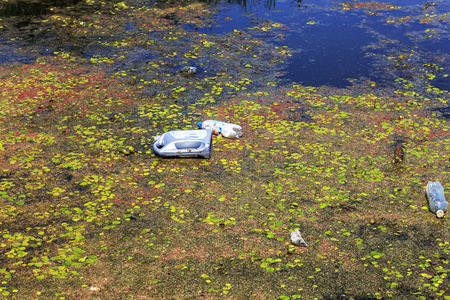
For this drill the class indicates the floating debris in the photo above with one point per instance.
(189, 70)
(436, 198)
(227, 130)
(184, 143)
(296, 239)
(399, 154)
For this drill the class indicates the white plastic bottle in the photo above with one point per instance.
(227, 130)
(436, 198)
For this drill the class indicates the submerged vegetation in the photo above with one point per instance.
(89, 212)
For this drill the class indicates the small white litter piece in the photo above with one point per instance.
(189, 70)
(296, 239)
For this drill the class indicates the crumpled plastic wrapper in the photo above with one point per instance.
(296, 239)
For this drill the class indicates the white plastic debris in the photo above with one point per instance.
(189, 70)
(184, 143)
(296, 239)
(228, 130)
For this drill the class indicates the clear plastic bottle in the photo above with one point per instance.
(436, 198)
(227, 130)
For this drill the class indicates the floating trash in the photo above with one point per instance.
(184, 143)
(399, 154)
(189, 70)
(436, 198)
(227, 130)
(296, 239)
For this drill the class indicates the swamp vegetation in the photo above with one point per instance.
(89, 212)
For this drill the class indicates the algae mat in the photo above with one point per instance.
(89, 212)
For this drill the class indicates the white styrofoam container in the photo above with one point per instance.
(184, 143)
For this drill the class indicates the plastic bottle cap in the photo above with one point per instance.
(200, 124)
(440, 213)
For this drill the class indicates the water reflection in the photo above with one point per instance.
(22, 8)
(31, 8)
(336, 41)
(269, 4)
(250, 5)
(330, 41)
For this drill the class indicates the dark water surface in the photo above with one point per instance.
(333, 42)
(330, 42)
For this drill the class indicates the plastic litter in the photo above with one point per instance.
(436, 198)
(296, 239)
(189, 70)
(184, 143)
(227, 130)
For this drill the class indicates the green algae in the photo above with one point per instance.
(88, 211)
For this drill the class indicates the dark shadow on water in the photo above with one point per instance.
(23, 8)
(28, 8)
